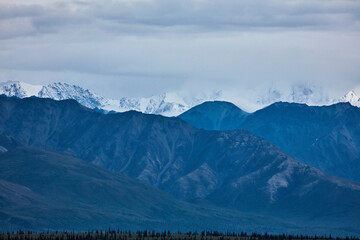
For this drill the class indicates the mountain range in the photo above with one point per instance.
(167, 104)
(171, 103)
(44, 190)
(327, 137)
(233, 170)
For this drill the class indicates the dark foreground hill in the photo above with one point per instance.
(229, 169)
(326, 137)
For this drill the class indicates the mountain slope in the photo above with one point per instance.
(233, 169)
(326, 137)
(44, 190)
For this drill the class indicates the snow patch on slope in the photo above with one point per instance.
(283, 178)
(3, 150)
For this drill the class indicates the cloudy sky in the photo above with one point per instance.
(145, 47)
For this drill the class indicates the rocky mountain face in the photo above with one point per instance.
(326, 137)
(231, 169)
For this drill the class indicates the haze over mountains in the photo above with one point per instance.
(172, 103)
(307, 94)
(227, 169)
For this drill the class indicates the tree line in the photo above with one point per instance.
(152, 235)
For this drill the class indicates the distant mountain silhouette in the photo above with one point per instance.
(216, 115)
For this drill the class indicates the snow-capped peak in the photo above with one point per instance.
(56, 91)
(62, 91)
(352, 98)
(19, 89)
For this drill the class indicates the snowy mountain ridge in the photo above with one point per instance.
(166, 104)
(56, 91)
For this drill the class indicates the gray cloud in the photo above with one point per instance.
(146, 47)
(194, 15)
(11, 10)
(227, 15)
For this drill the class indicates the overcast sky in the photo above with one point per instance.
(146, 47)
